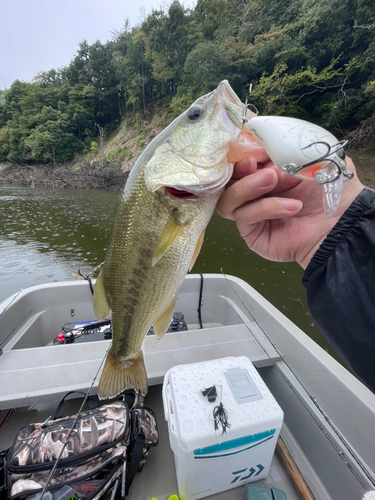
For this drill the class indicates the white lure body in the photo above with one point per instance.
(306, 151)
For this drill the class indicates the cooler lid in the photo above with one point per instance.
(249, 405)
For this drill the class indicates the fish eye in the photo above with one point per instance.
(341, 154)
(195, 113)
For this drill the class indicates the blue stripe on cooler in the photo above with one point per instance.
(234, 446)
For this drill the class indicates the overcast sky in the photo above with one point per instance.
(39, 35)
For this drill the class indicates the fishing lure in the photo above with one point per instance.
(306, 151)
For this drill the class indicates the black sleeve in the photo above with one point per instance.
(340, 283)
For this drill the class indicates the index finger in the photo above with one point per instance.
(244, 190)
(245, 167)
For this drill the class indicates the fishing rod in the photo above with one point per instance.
(338, 433)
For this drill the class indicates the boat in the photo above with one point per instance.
(329, 415)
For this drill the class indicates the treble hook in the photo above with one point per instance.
(293, 169)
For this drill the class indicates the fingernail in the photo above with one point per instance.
(291, 205)
(264, 178)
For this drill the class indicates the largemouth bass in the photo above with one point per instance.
(158, 230)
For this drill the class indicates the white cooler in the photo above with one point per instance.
(208, 461)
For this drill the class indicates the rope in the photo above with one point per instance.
(80, 275)
(199, 310)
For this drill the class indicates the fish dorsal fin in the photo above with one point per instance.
(161, 325)
(196, 251)
(100, 302)
(168, 236)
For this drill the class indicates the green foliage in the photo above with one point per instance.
(284, 93)
(304, 58)
(206, 65)
(180, 102)
(119, 153)
(370, 89)
(2, 98)
(117, 156)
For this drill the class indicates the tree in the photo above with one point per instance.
(206, 65)
(306, 58)
(52, 140)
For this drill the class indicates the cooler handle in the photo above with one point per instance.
(168, 405)
(164, 394)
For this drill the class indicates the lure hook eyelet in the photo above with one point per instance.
(291, 168)
(247, 105)
(252, 108)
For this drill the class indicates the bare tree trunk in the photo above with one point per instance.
(101, 144)
(143, 88)
(119, 103)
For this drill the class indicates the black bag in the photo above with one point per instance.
(96, 460)
(143, 435)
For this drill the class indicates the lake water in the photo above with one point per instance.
(48, 234)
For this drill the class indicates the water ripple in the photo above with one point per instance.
(48, 234)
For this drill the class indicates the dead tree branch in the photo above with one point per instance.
(369, 27)
(364, 134)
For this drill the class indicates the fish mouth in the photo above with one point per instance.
(179, 193)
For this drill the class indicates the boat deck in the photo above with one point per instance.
(158, 477)
(70, 367)
(328, 414)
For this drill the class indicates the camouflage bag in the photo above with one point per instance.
(94, 461)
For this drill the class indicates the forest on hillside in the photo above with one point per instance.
(312, 59)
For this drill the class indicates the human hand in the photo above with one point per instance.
(279, 216)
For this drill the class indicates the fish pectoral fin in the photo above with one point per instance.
(161, 325)
(100, 302)
(196, 251)
(168, 236)
(118, 374)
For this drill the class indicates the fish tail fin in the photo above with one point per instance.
(116, 376)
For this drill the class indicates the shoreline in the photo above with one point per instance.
(88, 176)
(96, 174)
